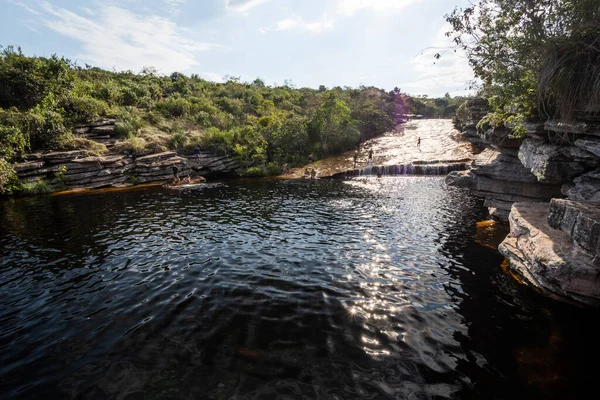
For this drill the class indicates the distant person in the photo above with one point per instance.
(132, 155)
(370, 156)
(306, 173)
(187, 180)
(355, 158)
(313, 174)
(284, 168)
(197, 155)
(380, 172)
(419, 142)
(175, 176)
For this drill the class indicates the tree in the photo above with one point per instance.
(336, 129)
(510, 43)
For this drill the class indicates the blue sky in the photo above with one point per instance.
(384, 43)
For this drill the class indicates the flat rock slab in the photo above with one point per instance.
(547, 259)
(28, 166)
(152, 158)
(580, 221)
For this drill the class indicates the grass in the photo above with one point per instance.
(38, 187)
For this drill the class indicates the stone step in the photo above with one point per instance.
(580, 221)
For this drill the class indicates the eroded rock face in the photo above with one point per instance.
(590, 144)
(502, 180)
(554, 164)
(76, 169)
(584, 188)
(580, 221)
(547, 259)
(496, 165)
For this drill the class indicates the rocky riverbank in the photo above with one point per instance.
(67, 170)
(554, 242)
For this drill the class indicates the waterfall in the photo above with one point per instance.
(414, 168)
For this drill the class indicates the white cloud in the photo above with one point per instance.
(212, 76)
(242, 5)
(173, 5)
(349, 7)
(124, 40)
(451, 73)
(298, 23)
(25, 6)
(88, 11)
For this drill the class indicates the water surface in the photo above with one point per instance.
(369, 289)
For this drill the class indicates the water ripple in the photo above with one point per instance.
(370, 289)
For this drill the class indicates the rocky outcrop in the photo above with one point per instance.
(75, 169)
(584, 188)
(580, 221)
(502, 180)
(548, 258)
(101, 131)
(555, 164)
(552, 154)
(554, 243)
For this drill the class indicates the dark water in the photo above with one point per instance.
(291, 290)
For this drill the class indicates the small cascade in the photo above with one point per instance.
(411, 169)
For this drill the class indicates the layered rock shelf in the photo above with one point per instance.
(551, 260)
(75, 169)
(502, 180)
(101, 131)
(554, 243)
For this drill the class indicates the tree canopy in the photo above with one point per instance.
(535, 58)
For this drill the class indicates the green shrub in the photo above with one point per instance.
(178, 140)
(38, 187)
(174, 107)
(255, 172)
(12, 141)
(8, 178)
(128, 124)
(137, 144)
(82, 109)
(47, 129)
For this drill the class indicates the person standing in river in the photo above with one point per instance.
(370, 162)
(355, 158)
(419, 142)
(197, 155)
(175, 176)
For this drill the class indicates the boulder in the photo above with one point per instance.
(590, 144)
(547, 259)
(550, 163)
(580, 221)
(584, 188)
(497, 165)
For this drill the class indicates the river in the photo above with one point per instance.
(371, 288)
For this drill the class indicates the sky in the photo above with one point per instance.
(308, 43)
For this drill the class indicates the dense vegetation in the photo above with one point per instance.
(41, 99)
(537, 59)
